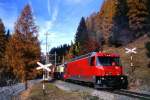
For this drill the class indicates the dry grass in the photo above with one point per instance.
(54, 93)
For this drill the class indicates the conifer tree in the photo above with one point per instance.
(148, 24)
(23, 50)
(2, 39)
(105, 16)
(82, 37)
(71, 53)
(94, 31)
(138, 16)
(120, 32)
(2, 53)
(8, 35)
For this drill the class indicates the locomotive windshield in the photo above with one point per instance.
(108, 61)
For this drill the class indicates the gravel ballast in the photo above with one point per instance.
(104, 95)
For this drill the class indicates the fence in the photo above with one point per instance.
(12, 92)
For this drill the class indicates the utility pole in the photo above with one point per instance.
(63, 60)
(55, 58)
(47, 60)
(54, 61)
(46, 49)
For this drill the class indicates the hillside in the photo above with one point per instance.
(117, 25)
(139, 79)
(124, 24)
(102, 21)
(120, 21)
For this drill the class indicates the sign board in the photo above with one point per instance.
(41, 66)
(130, 50)
(45, 68)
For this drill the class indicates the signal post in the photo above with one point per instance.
(131, 52)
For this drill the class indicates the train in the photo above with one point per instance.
(103, 70)
(59, 72)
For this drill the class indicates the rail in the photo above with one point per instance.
(142, 96)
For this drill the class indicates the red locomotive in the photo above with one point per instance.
(102, 69)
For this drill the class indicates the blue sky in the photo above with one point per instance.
(59, 18)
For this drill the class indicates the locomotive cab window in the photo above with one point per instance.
(92, 61)
(108, 61)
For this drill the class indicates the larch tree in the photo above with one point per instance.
(138, 16)
(2, 40)
(23, 50)
(94, 31)
(2, 52)
(93, 45)
(105, 17)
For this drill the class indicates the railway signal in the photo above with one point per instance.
(131, 52)
(41, 66)
(45, 68)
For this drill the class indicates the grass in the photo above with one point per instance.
(54, 93)
(86, 96)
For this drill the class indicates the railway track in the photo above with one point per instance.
(133, 94)
(141, 96)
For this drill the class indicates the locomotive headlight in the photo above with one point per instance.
(118, 74)
(103, 78)
(116, 67)
(101, 68)
(121, 78)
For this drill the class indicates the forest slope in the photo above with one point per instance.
(139, 78)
